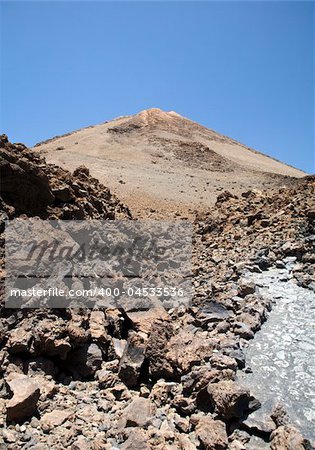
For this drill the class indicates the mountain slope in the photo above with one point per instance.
(161, 160)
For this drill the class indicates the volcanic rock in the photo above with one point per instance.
(183, 361)
(54, 419)
(260, 421)
(29, 185)
(159, 366)
(212, 433)
(81, 444)
(286, 437)
(137, 440)
(211, 312)
(85, 361)
(230, 400)
(98, 325)
(138, 413)
(26, 393)
(187, 348)
(132, 360)
(107, 379)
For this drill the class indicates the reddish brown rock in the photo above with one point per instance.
(159, 366)
(187, 348)
(229, 400)
(137, 439)
(212, 434)
(31, 186)
(142, 320)
(138, 413)
(26, 393)
(54, 419)
(286, 437)
(20, 339)
(98, 325)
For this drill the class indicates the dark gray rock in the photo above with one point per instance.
(132, 360)
(212, 312)
(85, 361)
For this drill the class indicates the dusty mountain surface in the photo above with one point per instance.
(161, 161)
(119, 379)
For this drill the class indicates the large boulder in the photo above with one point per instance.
(159, 366)
(132, 360)
(138, 413)
(26, 393)
(142, 313)
(20, 338)
(23, 184)
(188, 347)
(212, 434)
(230, 400)
(50, 339)
(261, 420)
(212, 312)
(55, 418)
(98, 326)
(286, 437)
(137, 439)
(199, 378)
(31, 186)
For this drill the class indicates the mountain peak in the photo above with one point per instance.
(158, 112)
(151, 118)
(163, 160)
(153, 111)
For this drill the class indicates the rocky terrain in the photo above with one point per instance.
(167, 380)
(30, 186)
(162, 164)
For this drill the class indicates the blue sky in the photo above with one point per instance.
(245, 69)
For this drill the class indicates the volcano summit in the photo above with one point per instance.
(158, 160)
